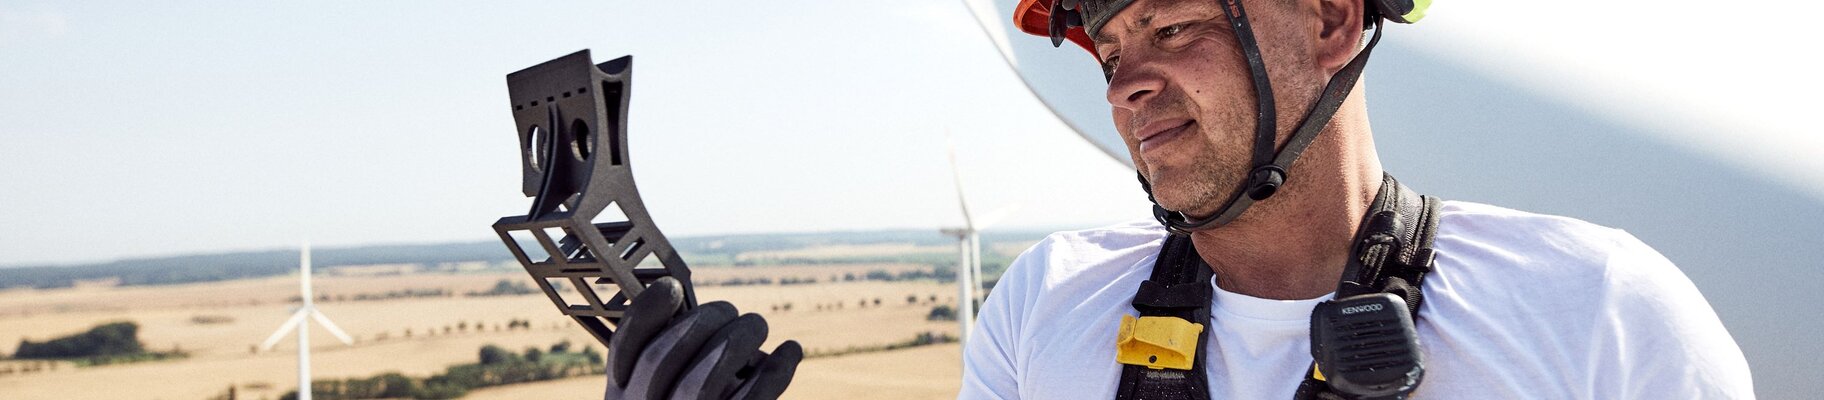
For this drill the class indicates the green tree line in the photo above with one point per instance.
(494, 366)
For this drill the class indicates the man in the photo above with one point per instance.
(1480, 301)
(1250, 131)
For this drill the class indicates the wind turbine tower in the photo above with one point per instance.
(969, 249)
(297, 321)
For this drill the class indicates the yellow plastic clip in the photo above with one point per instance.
(1157, 342)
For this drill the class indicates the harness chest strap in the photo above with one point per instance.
(1392, 255)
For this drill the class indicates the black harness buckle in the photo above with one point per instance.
(1366, 346)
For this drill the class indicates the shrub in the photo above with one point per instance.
(593, 357)
(505, 287)
(941, 313)
(499, 367)
(113, 339)
(491, 354)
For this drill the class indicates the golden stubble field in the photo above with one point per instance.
(220, 324)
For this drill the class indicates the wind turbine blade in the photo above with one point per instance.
(989, 19)
(993, 19)
(995, 217)
(331, 327)
(957, 175)
(290, 323)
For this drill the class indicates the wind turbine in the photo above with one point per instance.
(969, 249)
(309, 309)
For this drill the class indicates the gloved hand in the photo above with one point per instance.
(704, 353)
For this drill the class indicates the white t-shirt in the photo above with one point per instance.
(1520, 306)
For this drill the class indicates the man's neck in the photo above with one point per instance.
(1294, 245)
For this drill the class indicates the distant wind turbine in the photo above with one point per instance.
(969, 249)
(309, 309)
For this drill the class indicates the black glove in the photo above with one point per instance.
(704, 353)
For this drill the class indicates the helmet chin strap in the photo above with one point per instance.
(1269, 172)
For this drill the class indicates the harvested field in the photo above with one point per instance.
(220, 323)
(929, 372)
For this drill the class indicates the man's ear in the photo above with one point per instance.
(1339, 35)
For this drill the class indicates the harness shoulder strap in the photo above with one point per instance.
(1394, 244)
(1179, 287)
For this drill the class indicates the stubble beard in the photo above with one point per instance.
(1199, 188)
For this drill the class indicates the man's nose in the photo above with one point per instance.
(1132, 86)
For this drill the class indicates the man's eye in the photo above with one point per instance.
(1108, 66)
(1169, 31)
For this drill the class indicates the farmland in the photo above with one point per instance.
(417, 323)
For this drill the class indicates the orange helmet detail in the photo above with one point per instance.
(1034, 17)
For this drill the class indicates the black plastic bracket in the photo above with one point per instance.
(571, 116)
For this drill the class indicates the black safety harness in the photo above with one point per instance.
(1363, 342)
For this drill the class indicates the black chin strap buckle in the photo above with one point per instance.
(1174, 221)
(1264, 181)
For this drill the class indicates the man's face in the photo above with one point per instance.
(1182, 96)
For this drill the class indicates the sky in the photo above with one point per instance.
(132, 129)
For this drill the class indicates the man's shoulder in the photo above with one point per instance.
(1103, 254)
(1463, 216)
(1503, 236)
(1122, 243)
(1118, 238)
(1557, 266)
(1570, 292)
